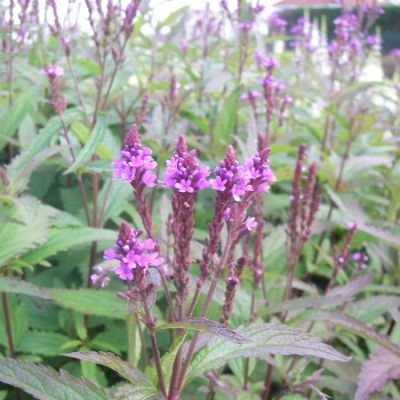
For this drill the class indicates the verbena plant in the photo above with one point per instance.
(249, 229)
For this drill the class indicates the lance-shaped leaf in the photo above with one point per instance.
(226, 121)
(61, 239)
(94, 141)
(91, 302)
(382, 368)
(334, 298)
(41, 142)
(112, 361)
(43, 343)
(266, 339)
(11, 285)
(11, 120)
(45, 383)
(129, 392)
(205, 325)
(357, 327)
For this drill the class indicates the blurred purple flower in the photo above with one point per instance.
(250, 223)
(373, 40)
(395, 53)
(276, 21)
(52, 71)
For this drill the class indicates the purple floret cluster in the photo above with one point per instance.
(136, 164)
(184, 173)
(134, 255)
(238, 179)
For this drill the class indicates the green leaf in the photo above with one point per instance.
(369, 309)
(94, 141)
(168, 359)
(45, 383)
(82, 133)
(226, 122)
(205, 325)
(335, 297)
(91, 302)
(112, 361)
(20, 176)
(129, 392)
(60, 239)
(266, 339)
(11, 285)
(134, 343)
(357, 327)
(41, 142)
(43, 343)
(173, 16)
(11, 120)
(18, 319)
(15, 239)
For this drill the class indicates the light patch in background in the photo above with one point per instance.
(160, 9)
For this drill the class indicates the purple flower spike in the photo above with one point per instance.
(134, 256)
(136, 163)
(184, 174)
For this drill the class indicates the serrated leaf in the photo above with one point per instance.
(382, 368)
(43, 343)
(335, 297)
(60, 239)
(11, 285)
(13, 118)
(15, 239)
(266, 339)
(129, 392)
(103, 303)
(94, 141)
(45, 383)
(205, 325)
(112, 361)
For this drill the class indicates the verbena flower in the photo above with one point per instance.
(250, 223)
(253, 176)
(134, 255)
(361, 258)
(184, 173)
(52, 71)
(276, 21)
(238, 179)
(373, 40)
(136, 163)
(395, 53)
